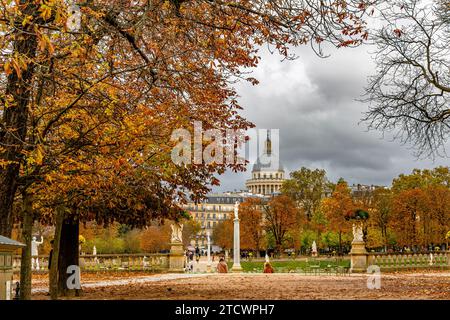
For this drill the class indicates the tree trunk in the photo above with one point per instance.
(278, 246)
(14, 130)
(340, 243)
(68, 254)
(25, 265)
(8, 187)
(53, 276)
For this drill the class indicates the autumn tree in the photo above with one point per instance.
(280, 216)
(223, 234)
(156, 238)
(132, 72)
(436, 220)
(190, 229)
(380, 212)
(335, 209)
(252, 224)
(163, 54)
(407, 210)
(420, 206)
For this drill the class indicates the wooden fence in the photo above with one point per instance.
(110, 262)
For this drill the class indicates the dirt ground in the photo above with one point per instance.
(259, 286)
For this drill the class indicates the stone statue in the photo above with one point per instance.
(236, 210)
(145, 262)
(314, 249)
(177, 232)
(357, 233)
(94, 253)
(35, 252)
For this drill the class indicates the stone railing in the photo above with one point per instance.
(110, 262)
(409, 261)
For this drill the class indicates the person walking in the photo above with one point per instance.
(191, 261)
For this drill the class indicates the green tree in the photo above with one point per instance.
(422, 178)
(307, 188)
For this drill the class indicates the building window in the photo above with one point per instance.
(214, 216)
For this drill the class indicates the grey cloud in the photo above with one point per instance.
(313, 103)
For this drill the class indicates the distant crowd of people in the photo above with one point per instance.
(222, 266)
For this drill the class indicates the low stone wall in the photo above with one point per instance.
(111, 262)
(409, 261)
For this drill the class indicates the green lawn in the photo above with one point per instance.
(289, 266)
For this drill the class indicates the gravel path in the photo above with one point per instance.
(263, 286)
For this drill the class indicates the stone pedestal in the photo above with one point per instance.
(358, 256)
(237, 248)
(176, 258)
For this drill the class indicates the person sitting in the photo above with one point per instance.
(222, 266)
(268, 268)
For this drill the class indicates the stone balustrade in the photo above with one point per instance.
(110, 262)
(410, 261)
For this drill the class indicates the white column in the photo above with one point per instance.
(237, 246)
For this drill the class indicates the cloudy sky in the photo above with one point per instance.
(313, 102)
